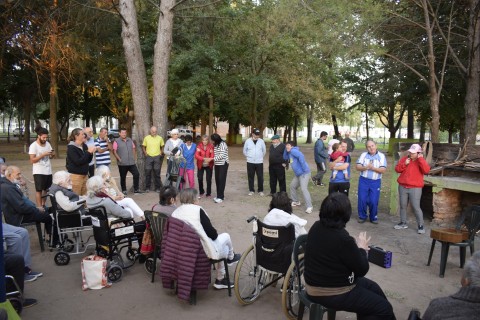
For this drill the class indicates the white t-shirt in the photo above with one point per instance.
(43, 166)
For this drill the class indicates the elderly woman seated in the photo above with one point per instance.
(65, 198)
(110, 189)
(168, 197)
(280, 214)
(216, 246)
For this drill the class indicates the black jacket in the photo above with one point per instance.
(13, 205)
(332, 258)
(78, 159)
(275, 155)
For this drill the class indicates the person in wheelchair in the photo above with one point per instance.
(336, 265)
(97, 198)
(168, 198)
(65, 198)
(281, 214)
(216, 246)
(110, 188)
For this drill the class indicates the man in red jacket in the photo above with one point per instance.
(412, 168)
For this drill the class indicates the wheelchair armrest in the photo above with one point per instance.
(81, 201)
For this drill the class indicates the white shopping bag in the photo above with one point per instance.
(94, 273)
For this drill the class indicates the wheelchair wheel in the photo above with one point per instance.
(16, 304)
(114, 273)
(247, 276)
(290, 299)
(62, 259)
(68, 245)
(149, 265)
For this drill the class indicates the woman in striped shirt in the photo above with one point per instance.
(221, 165)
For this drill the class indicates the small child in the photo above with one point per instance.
(337, 154)
(188, 150)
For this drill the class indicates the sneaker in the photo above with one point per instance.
(147, 190)
(29, 302)
(251, 193)
(296, 203)
(29, 278)
(401, 225)
(35, 274)
(321, 184)
(222, 284)
(314, 181)
(124, 193)
(234, 260)
(261, 194)
(137, 192)
(374, 221)
(309, 210)
(421, 230)
(359, 220)
(218, 200)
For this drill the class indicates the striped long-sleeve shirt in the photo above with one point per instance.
(221, 154)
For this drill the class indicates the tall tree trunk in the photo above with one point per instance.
(473, 74)
(309, 123)
(434, 93)
(137, 77)
(410, 122)
(53, 112)
(161, 61)
(210, 115)
(295, 125)
(335, 125)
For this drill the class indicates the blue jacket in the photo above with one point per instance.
(297, 161)
(340, 177)
(320, 152)
(189, 155)
(254, 152)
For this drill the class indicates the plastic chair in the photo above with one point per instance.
(157, 222)
(456, 237)
(316, 310)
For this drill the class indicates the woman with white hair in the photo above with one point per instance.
(216, 246)
(110, 189)
(61, 189)
(96, 198)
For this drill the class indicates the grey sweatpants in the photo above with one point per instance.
(302, 182)
(413, 195)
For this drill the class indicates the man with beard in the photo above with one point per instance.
(41, 152)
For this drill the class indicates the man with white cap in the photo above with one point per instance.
(254, 150)
(412, 168)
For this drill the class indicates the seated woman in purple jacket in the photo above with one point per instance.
(216, 246)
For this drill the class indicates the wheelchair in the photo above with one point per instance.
(112, 237)
(76, 223)
(265, 262)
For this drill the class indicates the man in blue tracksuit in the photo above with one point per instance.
(254, 150)
(302, 175)
(371, 164)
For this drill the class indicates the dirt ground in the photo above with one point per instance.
(409, 283)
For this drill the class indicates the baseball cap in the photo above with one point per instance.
(275, 137)
(415, 148)
(256, 131)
